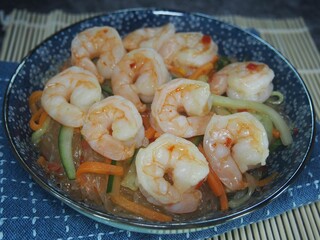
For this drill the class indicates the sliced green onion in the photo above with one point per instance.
(222, 62)
(111, 179)
(107, 89)
(275, 117)
(196, 140)
(276, 98)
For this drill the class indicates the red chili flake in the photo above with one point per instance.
(252, 66)
(242, 110)
(54, 167)
(295, 131)
(206, 39)
(132, 65)
(228, 142)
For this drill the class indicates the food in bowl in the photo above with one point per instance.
(157, 125)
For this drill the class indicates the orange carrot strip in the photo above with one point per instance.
(267, 180)
(177, 71)
(157, 134)
(139, 209)
(215, 183)
(37, 119)
(149, 133)
(224, 204)
(146, 119)
(33, 99)
(275, 133)
(42, 161)
(99, 168)
(202, 70)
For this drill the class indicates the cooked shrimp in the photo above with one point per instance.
(244, 80)
(181, 107)
(102, 45)
(168, 172)
(188, 51)
(234, 144)
(113, 127)
(68, 95)
(148, 37)
(137, 76)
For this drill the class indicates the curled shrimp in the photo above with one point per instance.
(234, 144)
(168, 171)
(188, 51)
(137, 76)
(244, 80)
(148, 37)
(181, 107)
(68, 95)
(102, 45)
(113, 127)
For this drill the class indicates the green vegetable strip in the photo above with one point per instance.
(107, 89)
(65, 150)
(111, 179)
(36, 136)
(275, 117)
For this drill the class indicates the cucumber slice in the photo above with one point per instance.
(65, 150)
(111, 179)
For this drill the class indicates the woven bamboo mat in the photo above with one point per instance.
(24, 30)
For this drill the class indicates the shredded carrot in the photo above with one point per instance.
(146, 119)
(267, 180)
(275, 133)
(218, 189)
(42, 161)
(149, 133)
(157, 134)
(202, 70)
(99, 168)
(33, 99)
(200, 147)
(37, 119)
(224, 204)
(177, 71)
(139, 209)
(216, 185)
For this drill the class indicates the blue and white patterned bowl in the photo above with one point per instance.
(44, 61)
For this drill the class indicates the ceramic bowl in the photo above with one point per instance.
(44, 61)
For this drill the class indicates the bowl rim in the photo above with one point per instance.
(149, 226)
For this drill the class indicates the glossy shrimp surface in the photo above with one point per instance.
(181, 107)
(97, 49)
(113, 127)
(137, 76)
(188, 51)
(234, 144)
(244, 80)
(68, 95)
(152, 37)
(168, 172)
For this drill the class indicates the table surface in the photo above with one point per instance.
(277, 10)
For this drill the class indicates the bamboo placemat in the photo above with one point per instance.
(24, 30)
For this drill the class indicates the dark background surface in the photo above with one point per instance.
(308, 9)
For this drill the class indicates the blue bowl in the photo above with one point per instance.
(44, 61)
